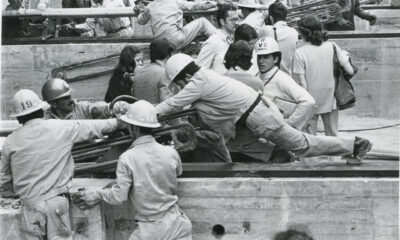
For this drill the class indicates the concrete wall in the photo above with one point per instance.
(249, 208)
(28, 66)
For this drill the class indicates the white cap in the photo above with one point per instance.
(26, 101)
(266, 45)
(175, 64)
(141, 113)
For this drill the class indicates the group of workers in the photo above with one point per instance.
(241, 85)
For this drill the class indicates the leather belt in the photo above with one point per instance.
(245, 115)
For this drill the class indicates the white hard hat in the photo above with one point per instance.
(266, 45)
(25, 101)
(141, 113)
(248, 4)
(175, 64)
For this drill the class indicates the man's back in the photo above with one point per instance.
(151, 83)
(39, 154)
(154, 169)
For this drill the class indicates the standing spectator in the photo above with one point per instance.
(285, 36)
(74, 21)
(296, 103)
(313, 69)
(121, 80)
(349, 8)
(213, 50)
(113, 27)
(249, 34)
(238, 61)
(151, 83)
(166, 19)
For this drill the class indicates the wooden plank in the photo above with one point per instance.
(81, 40)
(369, 168)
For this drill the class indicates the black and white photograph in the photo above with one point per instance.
(200, 119)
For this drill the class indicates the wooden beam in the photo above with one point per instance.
(369, 168)
(85, 12)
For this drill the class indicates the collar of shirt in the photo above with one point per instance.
(143, 140)
(225, 36)
(160, 63)
(280, 24)
(33, 121)
(269, 74)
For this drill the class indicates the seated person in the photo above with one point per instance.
(166, 19)
(121, 81)
(113, 27)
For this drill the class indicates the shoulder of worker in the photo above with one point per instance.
(89, 104)
(150, 69)
(135, 150)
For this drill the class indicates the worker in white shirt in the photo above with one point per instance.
(166, 19)
(252, 13)
(279, 30)
(147, 176)
(57, 93)
(222, 103)
(213, 50)
(295, 102)
(36, 164)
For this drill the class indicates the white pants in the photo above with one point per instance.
(191, 30)
(330, 120)
(175, 225)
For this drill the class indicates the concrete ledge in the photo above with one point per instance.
(255, 208)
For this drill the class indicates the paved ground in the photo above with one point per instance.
(385, 139)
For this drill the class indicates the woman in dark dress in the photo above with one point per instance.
(121, 81)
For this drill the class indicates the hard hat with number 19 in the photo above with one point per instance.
(54, 89)
(141, 113)
(25, 101)
(266, 45)
(175, 64)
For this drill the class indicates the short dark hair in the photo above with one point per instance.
(245, 32)
(277, 11)
(36, 114)
(223, 10)
(292, 234)
(160, 49)
(145, 130)
(190, 69)
(239, 54)
(312, 30)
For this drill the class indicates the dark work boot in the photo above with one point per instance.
(361, 147)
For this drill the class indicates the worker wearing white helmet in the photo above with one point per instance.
(36, 164)
(295, 102)
(147, 176)
(223, 102)
(57, 93)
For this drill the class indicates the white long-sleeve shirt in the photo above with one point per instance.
(283, 86)
(213, 51)
(147, 175)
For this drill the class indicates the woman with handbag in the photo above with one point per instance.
(313, 69)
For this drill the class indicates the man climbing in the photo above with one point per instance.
(223, 103)
(166, 19)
